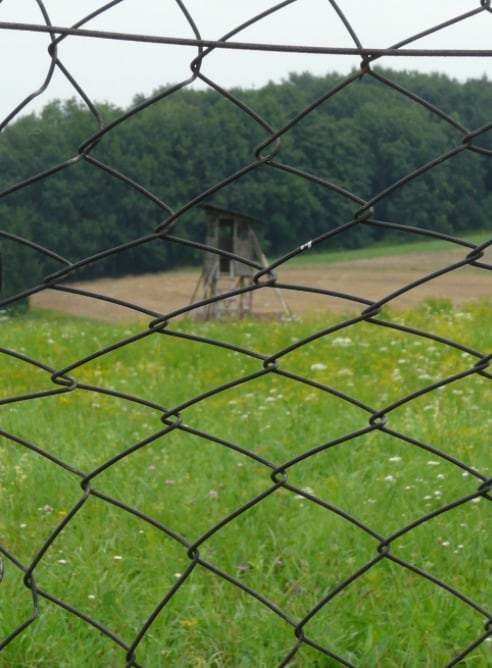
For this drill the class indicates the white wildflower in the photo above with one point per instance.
(342, 341)
(318, 366)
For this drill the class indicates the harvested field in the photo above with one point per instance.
(369, 279)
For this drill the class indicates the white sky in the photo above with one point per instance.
(116, 71)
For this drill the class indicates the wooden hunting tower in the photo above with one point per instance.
(231, 232)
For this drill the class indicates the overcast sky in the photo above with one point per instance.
(115, 71)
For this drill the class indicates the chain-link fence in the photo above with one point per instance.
(308, 492)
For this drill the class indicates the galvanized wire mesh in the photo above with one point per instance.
(193, 554)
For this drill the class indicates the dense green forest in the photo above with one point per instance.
(362, 139)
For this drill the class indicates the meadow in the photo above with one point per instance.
(244, 491)
(385, 250)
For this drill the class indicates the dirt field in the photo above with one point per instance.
(371, 279)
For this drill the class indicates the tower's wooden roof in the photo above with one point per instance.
(229, 212)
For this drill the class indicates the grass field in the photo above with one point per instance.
(189, 477)
(385, 250)
(369, 273)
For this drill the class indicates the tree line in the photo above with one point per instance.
(361, 140)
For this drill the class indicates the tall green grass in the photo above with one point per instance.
(116, 568)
